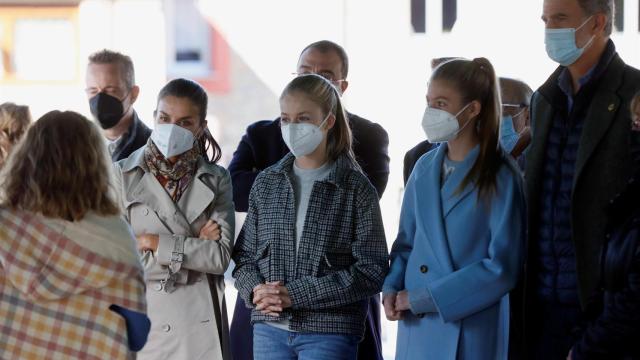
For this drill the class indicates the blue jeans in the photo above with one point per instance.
(270, 343)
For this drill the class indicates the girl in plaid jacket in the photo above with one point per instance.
(312, 249)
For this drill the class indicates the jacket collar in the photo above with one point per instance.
(343, 165)
(130, 136)
(197, 197)
(449, 190)
(603, 107)
(551, 88)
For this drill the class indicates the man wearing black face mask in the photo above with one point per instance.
(111, 91)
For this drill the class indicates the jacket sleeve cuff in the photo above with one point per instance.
(421, 302)
(388, 289)
(299, 294)
(166, 245)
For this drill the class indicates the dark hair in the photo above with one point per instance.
(60, 169)
(326, 46)
(437, 61)
(113, 57)
(592, 7)
(521, 91)
(322, 93)
(475, 80)
(189, 89)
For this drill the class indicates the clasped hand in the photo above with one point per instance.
(394, 304)
(271, 298)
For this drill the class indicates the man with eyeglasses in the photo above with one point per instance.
(262, 146)
(515, 130)
(112, 91)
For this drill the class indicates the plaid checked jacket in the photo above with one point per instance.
(342, 257)
(55, 295)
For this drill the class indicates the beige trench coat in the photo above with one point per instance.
(188, 318)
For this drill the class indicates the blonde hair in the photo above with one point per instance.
(59, 169)
(14, 121)
(322, 93)
(476, 80)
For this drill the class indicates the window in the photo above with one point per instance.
(449, 14)
(194, 48)
(418, 16)
(618, 18)
(38, 44)
(190, 40)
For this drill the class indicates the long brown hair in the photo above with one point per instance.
(475, 80)
(60, 169)
(14, 121)
(189, 89)
(322, 93)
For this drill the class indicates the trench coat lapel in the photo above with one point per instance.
(197, 197)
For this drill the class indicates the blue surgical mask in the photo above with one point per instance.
(561, 44)
(508, 135)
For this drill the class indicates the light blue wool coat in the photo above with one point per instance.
(461, 254)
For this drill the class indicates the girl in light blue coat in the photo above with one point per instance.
(459, 249)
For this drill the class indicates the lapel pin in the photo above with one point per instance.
(611, 107)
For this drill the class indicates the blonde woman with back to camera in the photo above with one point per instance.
(70, 279)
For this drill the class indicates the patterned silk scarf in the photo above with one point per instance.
(175, 178)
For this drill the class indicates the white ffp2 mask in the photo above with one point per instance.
(440, 125)
(302, 138)
(172, 139)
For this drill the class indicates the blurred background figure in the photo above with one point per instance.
(14, 121)
(614, 310)
(515, 125)
(71, 282)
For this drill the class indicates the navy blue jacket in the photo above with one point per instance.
(412, 156)
(262, 146)
(135, 138)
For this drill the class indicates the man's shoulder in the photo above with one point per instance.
(262, 126)
(419, 150)
(361, 125)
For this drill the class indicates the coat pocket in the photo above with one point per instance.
(336, 259)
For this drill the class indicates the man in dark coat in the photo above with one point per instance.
(578, 160)
(262, 146)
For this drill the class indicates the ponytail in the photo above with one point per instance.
(476, 80)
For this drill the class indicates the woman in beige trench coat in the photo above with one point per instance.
(179, 204)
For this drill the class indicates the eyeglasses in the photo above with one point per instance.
(327, 75)
(513, 110)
